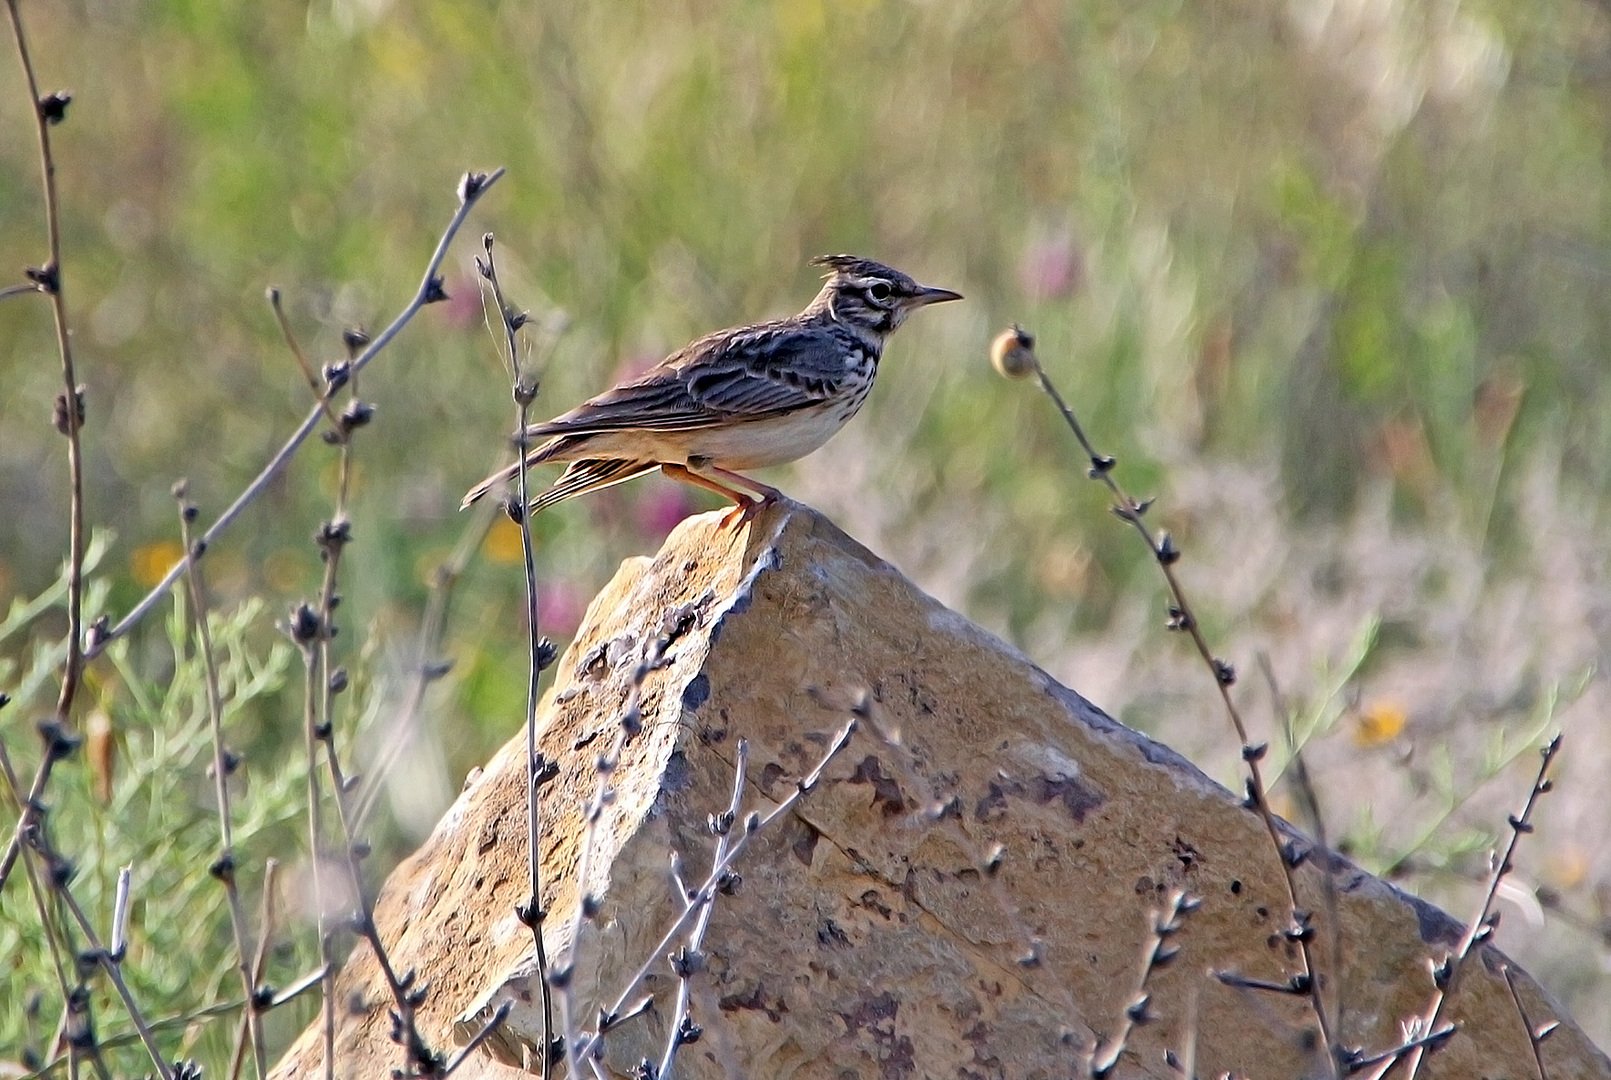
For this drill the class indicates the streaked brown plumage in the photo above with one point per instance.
(737, 399)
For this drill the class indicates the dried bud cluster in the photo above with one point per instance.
(1013, 353)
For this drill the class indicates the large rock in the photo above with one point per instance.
(870, 937)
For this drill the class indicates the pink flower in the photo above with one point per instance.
(462, 309)
(560, 607)
(1052, 268)
(633, 366)
(661, 506)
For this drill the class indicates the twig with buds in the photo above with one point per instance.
(1308, 799)
(1424, 1032)
(540, 651)
(689, 960)
(721, 879)
(58, 876)
(257, 1001)
(314, 629)
(471, 187)
(304, 629)
(184, 1020)
(223, 766)
(1013, 355)
(587, 905)
(56, 880)
(1165, 925)
(49, 110)
(48, 925)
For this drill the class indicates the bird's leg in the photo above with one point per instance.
(741, 513)
(688, 476)
(768, 493)
(699, 474)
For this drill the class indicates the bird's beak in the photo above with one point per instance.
(926, 295)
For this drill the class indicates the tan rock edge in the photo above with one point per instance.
(867, 938)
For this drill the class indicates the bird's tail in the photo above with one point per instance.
(497, 479)
(591, 474)
(535, 456)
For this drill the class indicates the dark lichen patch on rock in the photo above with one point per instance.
(886, 792)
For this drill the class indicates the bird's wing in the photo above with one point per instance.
(747, 374)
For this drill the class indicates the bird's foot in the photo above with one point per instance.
(743, 509)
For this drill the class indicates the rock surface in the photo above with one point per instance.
(967, 893)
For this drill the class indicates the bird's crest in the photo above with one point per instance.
(856, 266)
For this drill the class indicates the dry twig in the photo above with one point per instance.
(49, 110)
(1165, 925)
(471, 187)
(223, 766)
(1014, 356)
(540, 651)
(721, 879)
(689, 960)
(1423, 1033)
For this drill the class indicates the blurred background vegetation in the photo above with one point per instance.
(1327, 277)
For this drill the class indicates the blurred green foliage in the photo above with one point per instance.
(145, 800)
(1367, 242)
(1232, 225)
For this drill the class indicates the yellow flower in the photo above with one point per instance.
(330, 478)
(1380, 723)
(151, 561)
(502, 544)
(1282, 805)
(1567, 867)
(101, 751)
(286, 572)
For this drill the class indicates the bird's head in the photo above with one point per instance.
(870, 295)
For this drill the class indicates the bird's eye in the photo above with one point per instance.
(878, 291)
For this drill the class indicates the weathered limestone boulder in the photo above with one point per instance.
(966, 894)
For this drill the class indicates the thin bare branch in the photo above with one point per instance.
(314, 632)
(266, 922)
(486, 1032)
(178, 1022)
(301, 358)
(718, 879)
(1534, 1042)
(101, 955)
(604, 766)
(224, 764)
(689, 960)
(1446, 974)
(1014, 355)
(540, 653)
(47, 111)
(301, 633)
(1430, 1041)
(37, 891)
(298, 988)
(471, 188)
(1309, 799)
